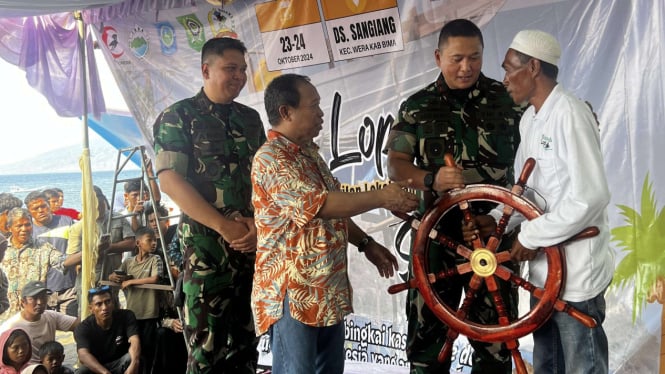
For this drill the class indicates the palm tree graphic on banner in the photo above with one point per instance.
(644, 263)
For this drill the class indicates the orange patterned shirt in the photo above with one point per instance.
(297, 252)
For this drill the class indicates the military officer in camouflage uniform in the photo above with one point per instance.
(471, 117)
(204, 147)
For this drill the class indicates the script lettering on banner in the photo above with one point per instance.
(360, 28)
(292, 34)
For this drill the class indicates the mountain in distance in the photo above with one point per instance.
(103, 157)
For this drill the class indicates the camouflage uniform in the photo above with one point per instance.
(212, 146)
(479, 127)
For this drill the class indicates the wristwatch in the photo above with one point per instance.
(428, 181)
(363, 243)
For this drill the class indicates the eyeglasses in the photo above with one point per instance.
(101, 289)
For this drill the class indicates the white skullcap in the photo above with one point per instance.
(537, 44)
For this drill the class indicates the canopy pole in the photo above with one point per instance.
(84, 79)
(90, 235)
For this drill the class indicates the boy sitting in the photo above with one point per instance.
(51, 355)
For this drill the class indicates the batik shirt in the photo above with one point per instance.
(211, 145)
(480, 131)
(297, 253)
(28, 263)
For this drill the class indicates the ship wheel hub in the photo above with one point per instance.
(483, 262)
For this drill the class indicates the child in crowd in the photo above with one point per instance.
(144, 268)
(51, 355)
(16, 351)
(56, 198)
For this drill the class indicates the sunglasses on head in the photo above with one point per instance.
(96, 290)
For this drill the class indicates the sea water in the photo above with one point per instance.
(70, 184)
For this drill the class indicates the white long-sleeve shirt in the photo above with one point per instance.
(569, 184)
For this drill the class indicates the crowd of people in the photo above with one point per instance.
(40, 285)
(261, 245)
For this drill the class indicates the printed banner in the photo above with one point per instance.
(155, 58)
(362, 28)
(292, 34)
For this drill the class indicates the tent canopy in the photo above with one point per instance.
(21, 8)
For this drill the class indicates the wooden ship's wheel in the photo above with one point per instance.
(485, 267)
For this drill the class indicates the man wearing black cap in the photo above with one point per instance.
(40, 323)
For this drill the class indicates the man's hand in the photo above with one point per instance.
(381, 257)
(138, 208)
(113, 277)
(246, 243)
(102, 247)
(397, 199)
(481, 227)
(125, 284)
(176, 326)
(447, 178)
(521, 253)
(133, 368)
(231, 229)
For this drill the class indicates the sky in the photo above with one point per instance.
(31, 126)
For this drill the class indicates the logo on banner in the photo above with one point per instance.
(166, 34)
(110, 39)
(138, 42)
(222, 23)
(194, 30)
(356, 6)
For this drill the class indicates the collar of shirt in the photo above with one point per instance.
(274, 135)
(546, 109)
(207, 106)
(445, 91)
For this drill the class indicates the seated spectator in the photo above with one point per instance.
(15, 351)
(34, 319)
(4, 282)
(137, 195)
(108, 340)
(110, 246)
(170, 348)
(144, 268)
(173, 254)
(55, 198)
(53, 229)
(7, 203)
(26, 259)
(51, 355)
